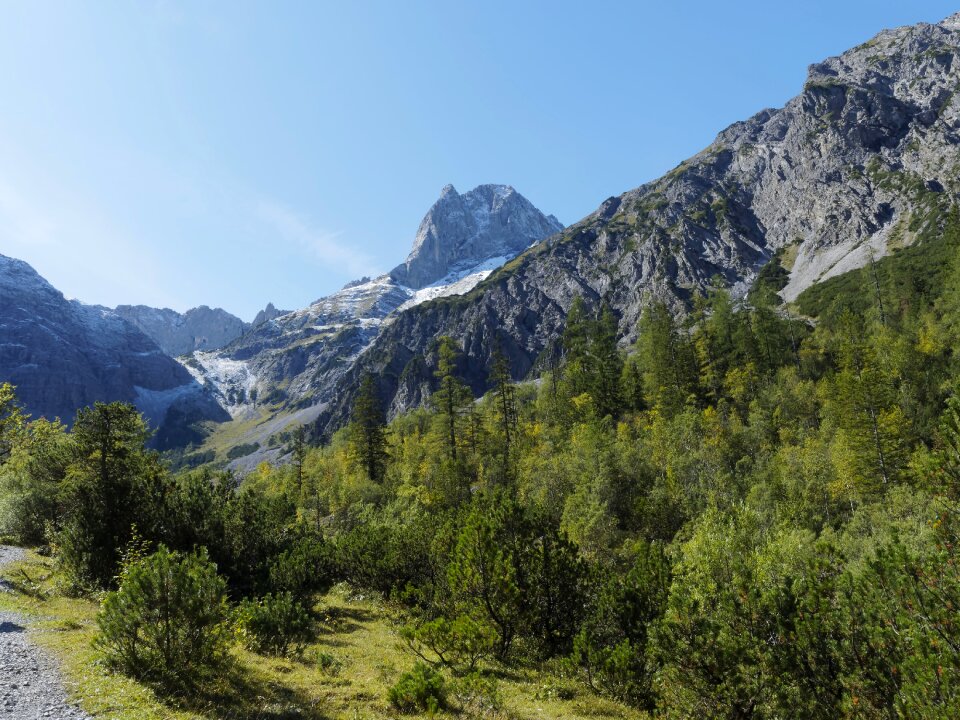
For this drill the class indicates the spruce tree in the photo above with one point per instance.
(113, 486)
(506, 405)
(870, 419)
(606, 365)
(12, 420)
(666, 358)
(576, 348)
(451, 396)
(369, 431)
(299, 454)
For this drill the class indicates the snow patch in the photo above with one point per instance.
(233, 381)
(455, 283)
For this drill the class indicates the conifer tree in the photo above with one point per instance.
(299, 454)
(576, 348)
(12, 420)
(112, 487)
(369, 431)
(506, 404)
(451, 396)
(666, 359)
(865, 404)
(607, 365)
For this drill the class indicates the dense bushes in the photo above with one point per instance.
(274, 624)
(518, 576)
(612, 647)
(166, 623)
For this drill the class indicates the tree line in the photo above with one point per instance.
(746, 514)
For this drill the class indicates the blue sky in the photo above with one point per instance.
(230, 154)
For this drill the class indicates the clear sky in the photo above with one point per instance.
(232, 153)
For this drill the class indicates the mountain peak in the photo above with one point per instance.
(268, 313)
(17, 276)
(459, 231)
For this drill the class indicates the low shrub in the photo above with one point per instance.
(459, 643)
(478, 696)
(274, 624)
(421, 689)
(327, 663)
(166, 623)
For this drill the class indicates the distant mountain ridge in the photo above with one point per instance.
(200, 328)
(63, 355)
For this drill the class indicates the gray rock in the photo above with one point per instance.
(63, 355)
(460, 231)
(294, 361)
(200, 328)
(265, 315)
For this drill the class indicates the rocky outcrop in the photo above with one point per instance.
(265, 315)
(200, 328)
(864, 159)
(461, 231)
(63, 355)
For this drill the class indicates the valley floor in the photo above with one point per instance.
(344, 675)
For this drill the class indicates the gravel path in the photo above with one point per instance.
(30, 687)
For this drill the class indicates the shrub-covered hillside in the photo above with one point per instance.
(749, 515)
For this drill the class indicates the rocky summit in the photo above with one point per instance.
(862, 161)
(462, 231)
(200, 328)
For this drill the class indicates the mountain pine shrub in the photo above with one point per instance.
(166, 623)
(274, 624)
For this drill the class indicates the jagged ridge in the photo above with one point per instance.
(845, 169)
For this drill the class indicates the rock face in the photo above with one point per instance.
(289, 365)
(462, 231)
(268, 313)
(200, 328)
(863, 160)
(63, 355)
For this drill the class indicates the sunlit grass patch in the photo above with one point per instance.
(344, 674)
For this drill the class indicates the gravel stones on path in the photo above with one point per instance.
(30, 684)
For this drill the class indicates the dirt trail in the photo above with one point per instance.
(30, 685)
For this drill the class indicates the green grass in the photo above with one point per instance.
(344, 675)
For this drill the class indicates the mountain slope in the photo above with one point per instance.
(200, 328)
(863, 160)
(288, 368)
(63, 355)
